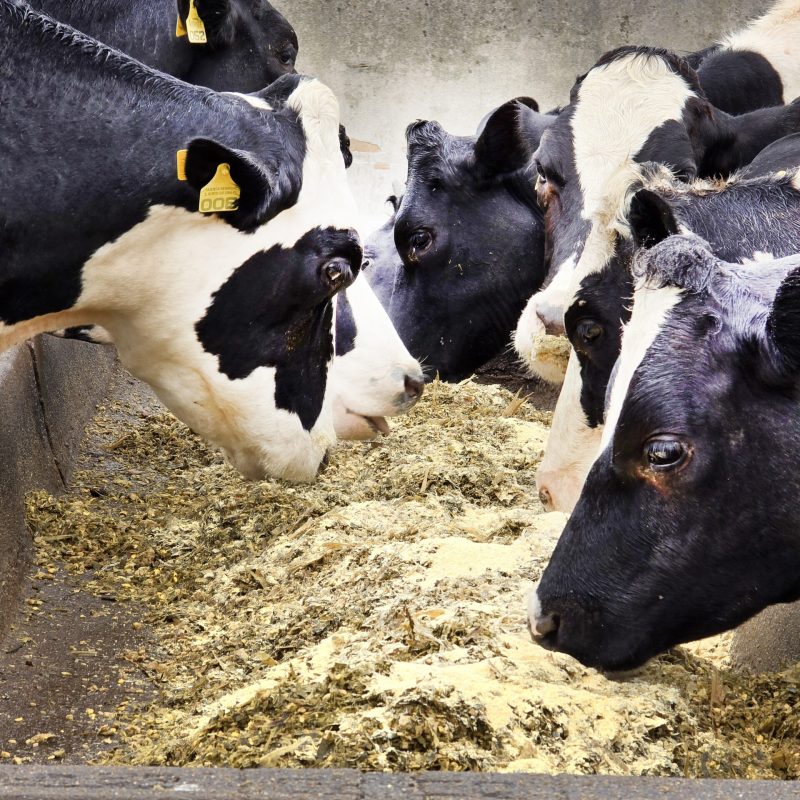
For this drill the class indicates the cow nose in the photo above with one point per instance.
(546, 499)
(414, 388)
(545, 624)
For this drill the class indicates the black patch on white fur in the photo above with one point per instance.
(345, 325)
(276, 311)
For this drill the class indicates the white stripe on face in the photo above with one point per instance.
(619, 106)
(650, 310)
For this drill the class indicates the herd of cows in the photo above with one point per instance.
(192, 207)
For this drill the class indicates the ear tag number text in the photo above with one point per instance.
(221, 193)
(195, 28)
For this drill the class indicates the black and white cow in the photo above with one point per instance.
(756, 67)
(637, 105)
(688, 523)
(641, 104)
(228, 316)
(249, 43)
(464, 249)
(746, 220)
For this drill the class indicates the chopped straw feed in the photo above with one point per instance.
(376, 619)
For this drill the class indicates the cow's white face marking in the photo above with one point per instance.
(796, 180)
(651, 308)
(572, 445)
(776, 36)
(544, 313)
(152, 285)
(619, 105)
(369, 381)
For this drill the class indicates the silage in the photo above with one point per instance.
(376, 618)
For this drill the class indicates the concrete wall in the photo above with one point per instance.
(49, 389)
(449, 60)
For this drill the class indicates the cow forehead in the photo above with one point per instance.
(618, 106)
(651, 310)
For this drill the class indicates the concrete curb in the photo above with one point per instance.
(152, 783)
(49, 388)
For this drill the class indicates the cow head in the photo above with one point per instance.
(687, 524)
(731, 215)
(627, 110)
(467, 241)
(250, 44)
(229, 317)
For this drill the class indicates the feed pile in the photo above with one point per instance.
(375, 619)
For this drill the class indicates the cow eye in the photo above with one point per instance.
(419, 242)
(663, 453)
(286, 57)
(337, 274)
(588, 331)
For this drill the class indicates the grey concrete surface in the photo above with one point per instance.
(119, 783)
(49, 391)
(392, 63)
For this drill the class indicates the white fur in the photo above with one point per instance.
(534, 607)
(150, 286)
(544, 313)
(256, 102)
(369, 381)
(619, 106)
(650, 310)
(572, 445)
(776, 36)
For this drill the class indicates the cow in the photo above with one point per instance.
(756, 67)
(635, 106)
(746, 220)
(216, 289)
(689, 520)
(372, 376)
(248, 43)
(463, 250)
(642, 104)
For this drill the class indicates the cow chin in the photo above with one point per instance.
(296, 467)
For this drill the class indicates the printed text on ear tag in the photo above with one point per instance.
(195, 28)
(180, 28)
(221, 193)
(180, 157)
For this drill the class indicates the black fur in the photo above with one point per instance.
(650, 559)
(738, 81)
(455, 302)
(250, 44)
(275, 311)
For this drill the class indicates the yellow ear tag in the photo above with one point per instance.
(221, 193)
(195, 28)
(180, 157)
(180, 28)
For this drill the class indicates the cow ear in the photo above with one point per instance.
(219, 19)
(651, 219)
(783, 324)
(502, 146)
(263, 191)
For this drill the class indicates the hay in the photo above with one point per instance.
(376, 618)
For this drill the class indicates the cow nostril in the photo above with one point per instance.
(545, 625)
(414, 387)
(546, 499)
